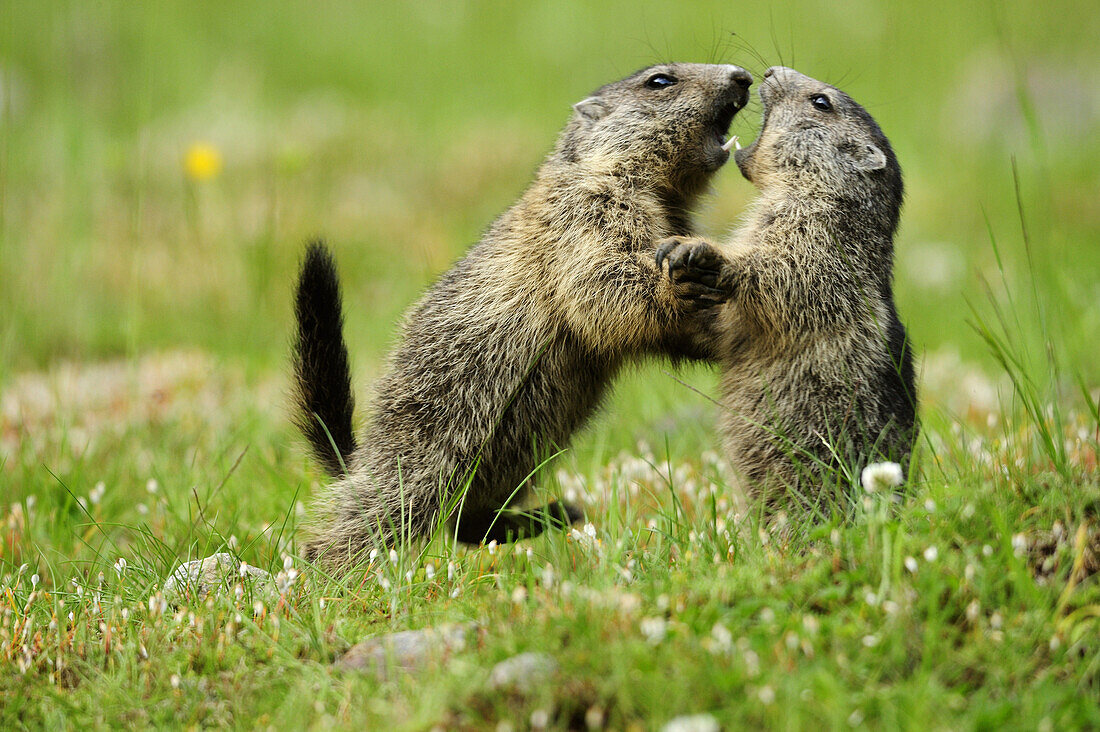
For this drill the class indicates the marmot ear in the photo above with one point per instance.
(591, 109)
(868, 156)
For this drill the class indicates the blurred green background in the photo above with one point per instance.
(400, 130)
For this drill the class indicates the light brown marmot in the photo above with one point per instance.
(817, 368)
(511, 351)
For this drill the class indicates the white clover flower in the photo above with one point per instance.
(723, 638)
(429, 571)
(96, 494)
(393, 557)
(450, 571)
(151, 485)
(911, 564)
(752, 661)
(931, 553)
(243, 569)
(930, 505)
(373, 555)
(766, 695)
(870, 641)
(519, 595)
(157, 604)
(288, 562)
(692, 723)
(881, 476)
(492, 546)
(590, 530)
(1019, 544)
(654, 629)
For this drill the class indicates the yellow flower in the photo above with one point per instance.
(203, 161)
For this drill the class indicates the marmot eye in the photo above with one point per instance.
(820, 101)
(660, 81)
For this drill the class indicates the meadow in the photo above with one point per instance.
(162, 165)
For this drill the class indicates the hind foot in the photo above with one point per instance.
(506, 526)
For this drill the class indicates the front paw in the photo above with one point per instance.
(694, 270)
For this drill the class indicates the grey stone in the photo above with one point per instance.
(216, 573)
(407, 650)
(523, 673)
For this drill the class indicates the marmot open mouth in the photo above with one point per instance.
(723, 120)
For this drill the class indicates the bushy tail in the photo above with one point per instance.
(323, 395)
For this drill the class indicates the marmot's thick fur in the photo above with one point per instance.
(509, 353)
(818, 371)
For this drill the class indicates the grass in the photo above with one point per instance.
(145, 330)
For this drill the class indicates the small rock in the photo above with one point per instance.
(407, 650)
(523, 673)
(217, 573)
(692, 723)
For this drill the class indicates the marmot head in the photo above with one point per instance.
(666, 123)
(817, 140)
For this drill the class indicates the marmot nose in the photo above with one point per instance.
(741, 77)
(779, 71)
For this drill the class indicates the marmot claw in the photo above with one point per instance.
(695, 269)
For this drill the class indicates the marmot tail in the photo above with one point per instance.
(323, 395)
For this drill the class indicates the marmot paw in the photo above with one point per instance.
(694, 269)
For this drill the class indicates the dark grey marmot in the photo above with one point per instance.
(510, 352)
(818, 372)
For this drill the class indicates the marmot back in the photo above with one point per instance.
(818, 370)
(511, 351)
